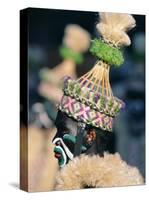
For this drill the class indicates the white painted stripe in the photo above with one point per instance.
(69, 154)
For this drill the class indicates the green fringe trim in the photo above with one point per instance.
(103, 51)
(67, 53)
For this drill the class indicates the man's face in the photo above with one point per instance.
(65, 139)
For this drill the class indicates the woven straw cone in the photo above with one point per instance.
(97, 79)
(112, 28)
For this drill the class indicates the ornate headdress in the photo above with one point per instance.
(90, 98)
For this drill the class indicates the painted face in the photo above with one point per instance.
(93, 139)
(64, 139)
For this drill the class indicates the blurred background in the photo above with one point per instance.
(46, 32)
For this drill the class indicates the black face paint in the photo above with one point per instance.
(74, 138)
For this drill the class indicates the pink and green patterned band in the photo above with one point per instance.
(109, 106)
(83, 107)
(83, 113)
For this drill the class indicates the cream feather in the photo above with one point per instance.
(76, 38)
(113, 27)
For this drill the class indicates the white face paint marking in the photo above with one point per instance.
(69, 154)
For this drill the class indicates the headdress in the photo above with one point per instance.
(90, 99)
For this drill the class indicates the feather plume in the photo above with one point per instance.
(76, 38)
(113, 27)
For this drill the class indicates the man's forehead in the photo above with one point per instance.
(71, 125)
(65, 122)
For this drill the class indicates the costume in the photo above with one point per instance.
(88, 106)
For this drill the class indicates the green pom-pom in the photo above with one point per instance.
(67, 53)
(105, 52)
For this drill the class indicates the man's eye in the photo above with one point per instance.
(58, 143)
